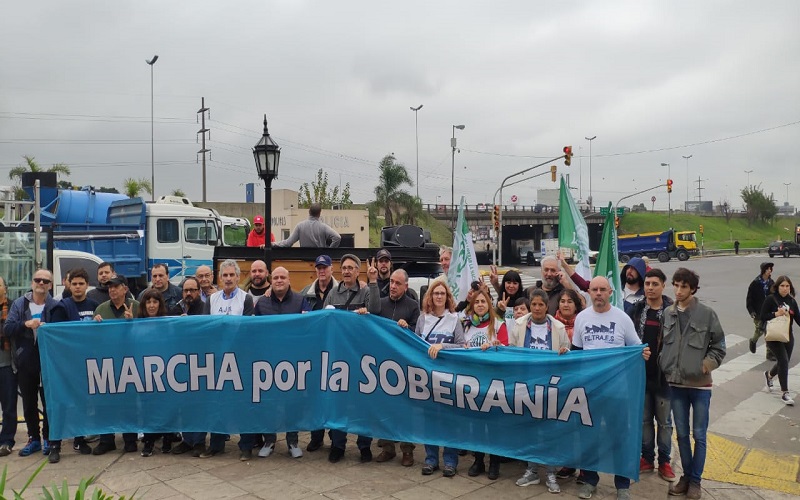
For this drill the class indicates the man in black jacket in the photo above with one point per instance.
(384, 264)
(756, 293)
(190, 304)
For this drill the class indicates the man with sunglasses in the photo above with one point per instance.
(26, 315)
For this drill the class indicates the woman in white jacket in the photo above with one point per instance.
(539, 330)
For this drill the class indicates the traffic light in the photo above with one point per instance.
(567, 155)
(496, 217)
(701, 229)
(616, 222)
(669, 185)
(553, 170)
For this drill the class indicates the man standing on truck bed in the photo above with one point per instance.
(258, 236)
(312, 232)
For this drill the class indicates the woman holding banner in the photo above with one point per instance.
(152, 306)
(439, 326)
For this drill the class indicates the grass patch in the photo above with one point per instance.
(719, 233)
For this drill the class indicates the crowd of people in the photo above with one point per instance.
(562, 312)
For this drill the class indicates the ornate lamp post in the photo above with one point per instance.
(267, 155)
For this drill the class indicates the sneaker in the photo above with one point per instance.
(198, 450)
(448, 471)
(5, 450)
(623, 494)
(245, 455)
(31, 447)
(528, 478)
(366, 455)
(147, 450)
(580, 479)
(769, 381)
(166, 447)
(665, 472)
(82, 448)
(335, 455)
(45, 447)
(55, 455)
(787, 400)
(314, 445)
(182, 448)
(565, 472)
(295, 451)
(266, 450)
(552, 484)
(645, 466)
(586, 491)
(429, 469)
(752, 346)
(694, 492)
(103, 448)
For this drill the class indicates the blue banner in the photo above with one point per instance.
(338, 370)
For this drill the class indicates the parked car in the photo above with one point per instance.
(784, 247)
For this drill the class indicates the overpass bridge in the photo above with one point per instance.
(520, 222)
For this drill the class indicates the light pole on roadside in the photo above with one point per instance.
(267, 155)
(748, 172)
(151, 63)
(687, 178)
(590, 139)
(453, 175)
(669, 194)
(787, 184)
(416, 133)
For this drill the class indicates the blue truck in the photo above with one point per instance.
(663, 246)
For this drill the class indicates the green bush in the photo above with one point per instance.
(56, 493)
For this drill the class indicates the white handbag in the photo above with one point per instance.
(778, 328)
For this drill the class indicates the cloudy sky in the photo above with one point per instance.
(654, 81)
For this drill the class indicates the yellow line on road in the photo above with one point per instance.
(730, 462)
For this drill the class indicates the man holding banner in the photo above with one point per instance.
(601, 327)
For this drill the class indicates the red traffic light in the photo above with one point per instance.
(669, 185)
(567, 155)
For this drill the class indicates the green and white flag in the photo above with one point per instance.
(607, 259)
(572, 231)
(464, 265)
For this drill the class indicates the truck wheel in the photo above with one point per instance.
(637, 255)
(624, 258)
(786, 254)
(683, 255)
(663, 257)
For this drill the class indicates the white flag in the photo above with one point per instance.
(572, 231)
(464, 265)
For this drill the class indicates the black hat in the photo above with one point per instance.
(765, 266)
(117, 280)
(383, 254)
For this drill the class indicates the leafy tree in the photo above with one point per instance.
(389, 196)
(757, 205)
(178, 192)
(31, 165)
(134, 186)
(103, 189)
(319, 192)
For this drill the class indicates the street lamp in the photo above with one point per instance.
(152, 62)
(590, 139)
(748, 172)
(453, 175)
(687, 177)
(669, 195)
(416, 133)
(267, 155)
(787, 184)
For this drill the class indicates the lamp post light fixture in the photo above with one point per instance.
(748, 172)
(687, 177)
(453, 176)
(267, 155)
(590, 139)
(416, 134)
(152, 62)
(787, 184)
(669, 195)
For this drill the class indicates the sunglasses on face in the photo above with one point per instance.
(42, 280)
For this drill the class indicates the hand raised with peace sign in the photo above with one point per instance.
(372, 271)
(128, 314)
(502, 304)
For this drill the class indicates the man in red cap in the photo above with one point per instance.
(257, 237)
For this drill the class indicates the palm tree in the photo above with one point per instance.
(33, 166)
(388, 195)
(178, 192)
(133, 187)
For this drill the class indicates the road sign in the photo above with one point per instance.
(653, 199)
(603, 211)
(620, 211)
(513, 198)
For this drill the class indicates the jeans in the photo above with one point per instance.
(8, 402)
(31, 391)
(217, 442)
(657, 406)
(783, 353)
(592, 477)
(698, 400)
(450, 456)
(339, 440)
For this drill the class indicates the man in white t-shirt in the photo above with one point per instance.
(601, 327)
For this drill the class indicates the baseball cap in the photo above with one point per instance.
(383, 254)
(323, 260)
(765, 266)
(258, 219)
(117, 280)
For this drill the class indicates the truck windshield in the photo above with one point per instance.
(687, 237)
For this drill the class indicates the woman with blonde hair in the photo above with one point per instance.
(439, 326)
